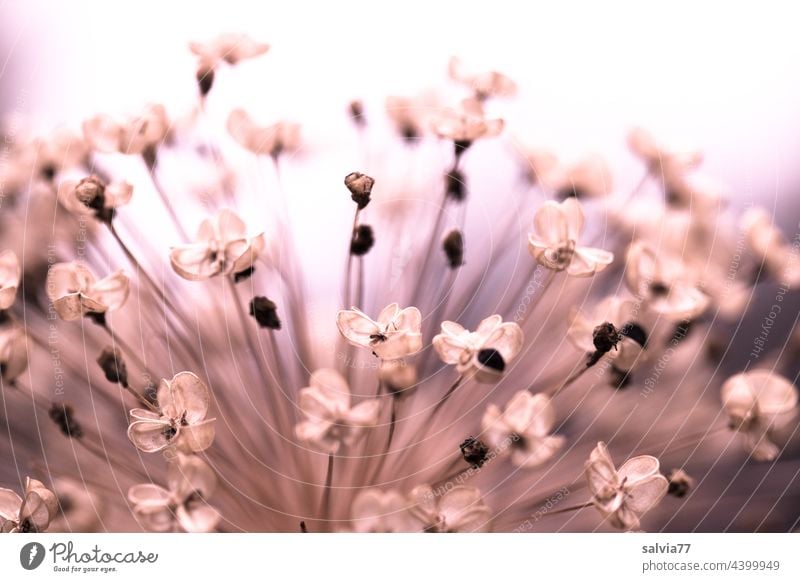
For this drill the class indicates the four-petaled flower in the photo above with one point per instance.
(396, 334)
(92, 196)
(272, 140)
(522, 430)
(180, 420)
(757, 402)
(75, 291)
(330, 420)
(555, 243)
(221, 247)
(31, 514)
(664, 283)
(460, 509)
(190, 483)
(135, 135)
(624, 495)
(485, 352)
(10, 273)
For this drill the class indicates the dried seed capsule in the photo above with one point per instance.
(265, 312)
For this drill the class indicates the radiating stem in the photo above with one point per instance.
(151, 170)
(326, 492)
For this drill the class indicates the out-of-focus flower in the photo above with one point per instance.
(397, 375)
(76, 292)
(181, 419)
(770, 245)
(13, 351)
(221, 247)
(588, 178)
(135, 135)
(31, 514)
(664, 283)
(460, 509)
(80, 508)
(554, 244)
(396, 334)
(40, 160)
(411, 116)
(680, 483)
(522, 430)
(228, 47)
(190, 483)
(376, 511)
(625, 495)
(92, 196)
(272, 140)
(10, 273)
(465, 124)
(484, 84)
(485, 352)
(330, 421)
(631, 336)
(756, 402)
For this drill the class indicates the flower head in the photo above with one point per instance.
(76, 292)
(10, 273)
(272, 140)
(664, 283)
(377, 511)
(624, 495)
(228, 47)
(555, 242)
(411, 116)
(190, 483)
(522, 430)
(135, 135)
(756, 402)
(466, 124)
(180, 420)
(484, 84)
(485, 352)
(31, 514)
(330, 419)
(92, 196)
(220, 248)
(396, 334)
(460, 509)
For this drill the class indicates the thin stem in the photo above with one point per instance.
(568, 509)
(137, 360)
(569, 381)
(447, 395)
(151, 170)
(326, 492)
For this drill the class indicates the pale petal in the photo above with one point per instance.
(75, 305)
(537, 451)
(333, 388)
(573, 214)
(199, 518)
(588, 261)
(551, 224)
(149, 494)
(646, 494)
(189, 474)
(356, 327)
(118, 194)
(112, 291)
(149, 436)
(10, 504)
(196, 437)
(102, 133)
(364, 414)
(189, 395)
(155, 518)
(193, 262)
(388, 314)
(638, 468)
(34, 509)
(507, 339)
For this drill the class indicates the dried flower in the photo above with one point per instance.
(555, 243)
(63, 415)
(228, 47)
(190, 482)
(113, 365)
(396, 334)
(135, 135)
(360, 186)
(221, 247)
(377, 511)
(626, 494)
(76, 292)
(522, 430)
(460, 509)
(664, 283)
(265, 312)
(757, 402)
(181, 419)
(484, 353)
(92, 196)
(10, 273)
(362, 241)
(453, 245)
(474, 451)
(29, 515)
(484, 84)
(330, 421)
(271, 140)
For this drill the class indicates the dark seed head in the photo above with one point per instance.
(91, 193)
(571, 191)
(98, 318)
(205, 80)
(243, 275)
(113, 366)
(48, 172)
(605, 337)
(453, 246)
(461, 146)
(265, 312)
(492, 359)
(681, 331)
(360, 186)
(357, 113)
(63, 416)
(362, 241)
(455, 185)
(659, 289)
(680, 483)
(474, 451)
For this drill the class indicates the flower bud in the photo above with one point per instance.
(113, 366)
(456, 185)
(453, 245)
(680, 483)
(91, 192)
(474, 451)
(360, 186)
(62, 415)
(265, 312)
(362, 241)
